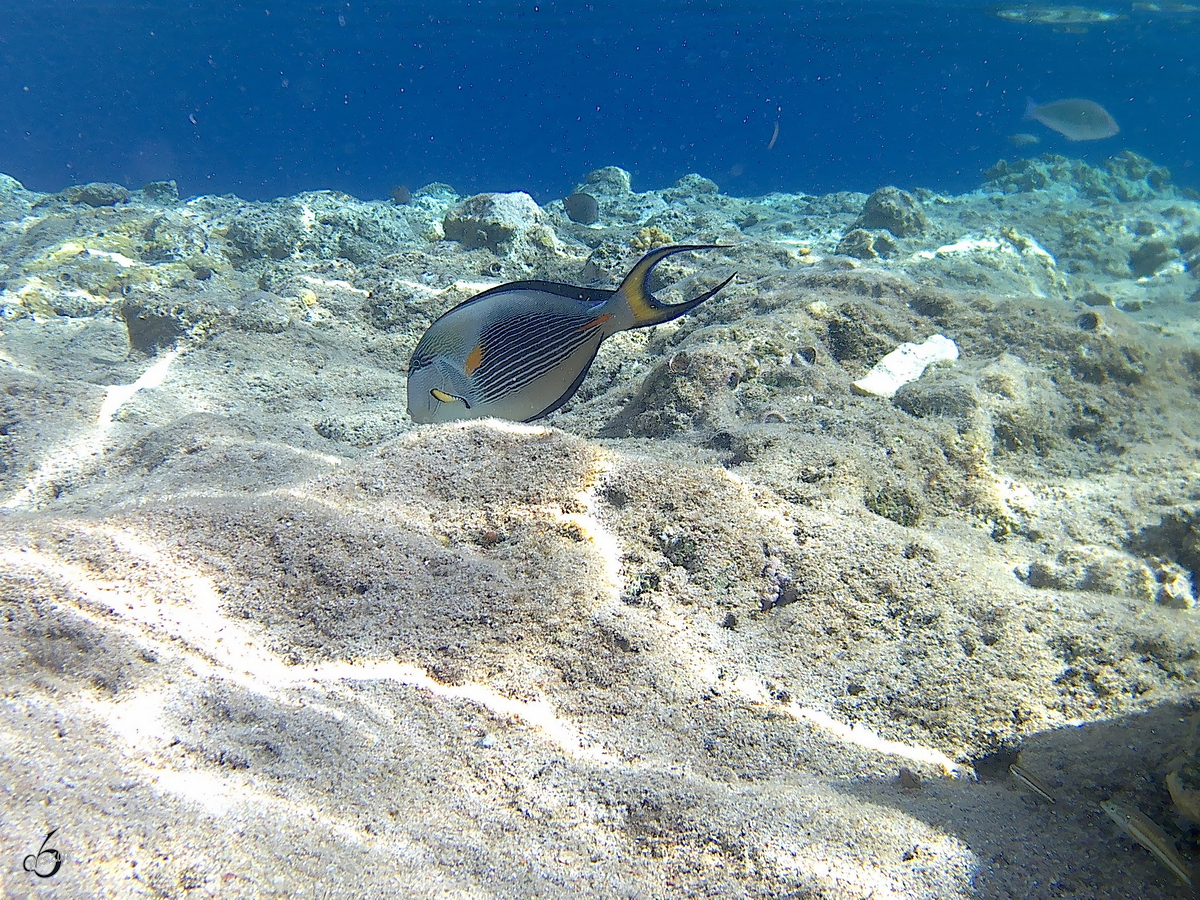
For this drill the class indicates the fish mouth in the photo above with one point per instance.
(422, 411)
(434, 391)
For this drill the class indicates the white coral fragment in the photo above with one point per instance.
(904, 364)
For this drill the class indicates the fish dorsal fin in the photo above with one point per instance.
(585, 295)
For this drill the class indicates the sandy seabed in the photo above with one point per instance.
(723, 626)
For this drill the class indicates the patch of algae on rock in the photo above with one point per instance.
(650, 238)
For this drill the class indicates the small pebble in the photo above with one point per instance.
(680, 363)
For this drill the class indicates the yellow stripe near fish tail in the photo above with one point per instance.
(646, 308)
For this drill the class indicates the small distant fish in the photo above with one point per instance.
(1167, 7)
(1057, 15)
(582, 208)
(1143, 830)
(1031, 781)
(1023, 140)
(1078, 120)
(519, 351)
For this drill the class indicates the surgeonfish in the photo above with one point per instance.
(519, 351)
(1058, 15)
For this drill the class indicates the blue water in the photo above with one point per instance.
(269, 98)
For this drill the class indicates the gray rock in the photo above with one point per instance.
(605, 263)
(691, 187)
(1124, 177)
(1096, 569)
(261, 311)
(318, 223)
(161, 191)
(859, 243)
(858, 333)
(489, 220)
(263, 232)
(863, 244)
(1147, 258)
(362, 429)
(684, 393)
(895, 210)
(610, 181)
(98, 193)
(1096, 298)
(1027, 412)
(15, 201)
(941, 392)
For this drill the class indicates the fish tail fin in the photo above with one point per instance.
(1030, 108)
(644, 307)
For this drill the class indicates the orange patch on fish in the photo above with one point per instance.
(595, 323)
(474, 359)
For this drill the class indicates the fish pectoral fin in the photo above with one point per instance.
(439, 394)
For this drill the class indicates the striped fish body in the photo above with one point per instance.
(519, 351)
(1146, 832)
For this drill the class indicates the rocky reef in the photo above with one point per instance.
(685, 636)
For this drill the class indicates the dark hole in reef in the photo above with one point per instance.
(993, 766)
(1175, 538)
(1089, 321)
(149, 331)
(1188, 242)
(615, 496)
(721, 440)
(1191, 358)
